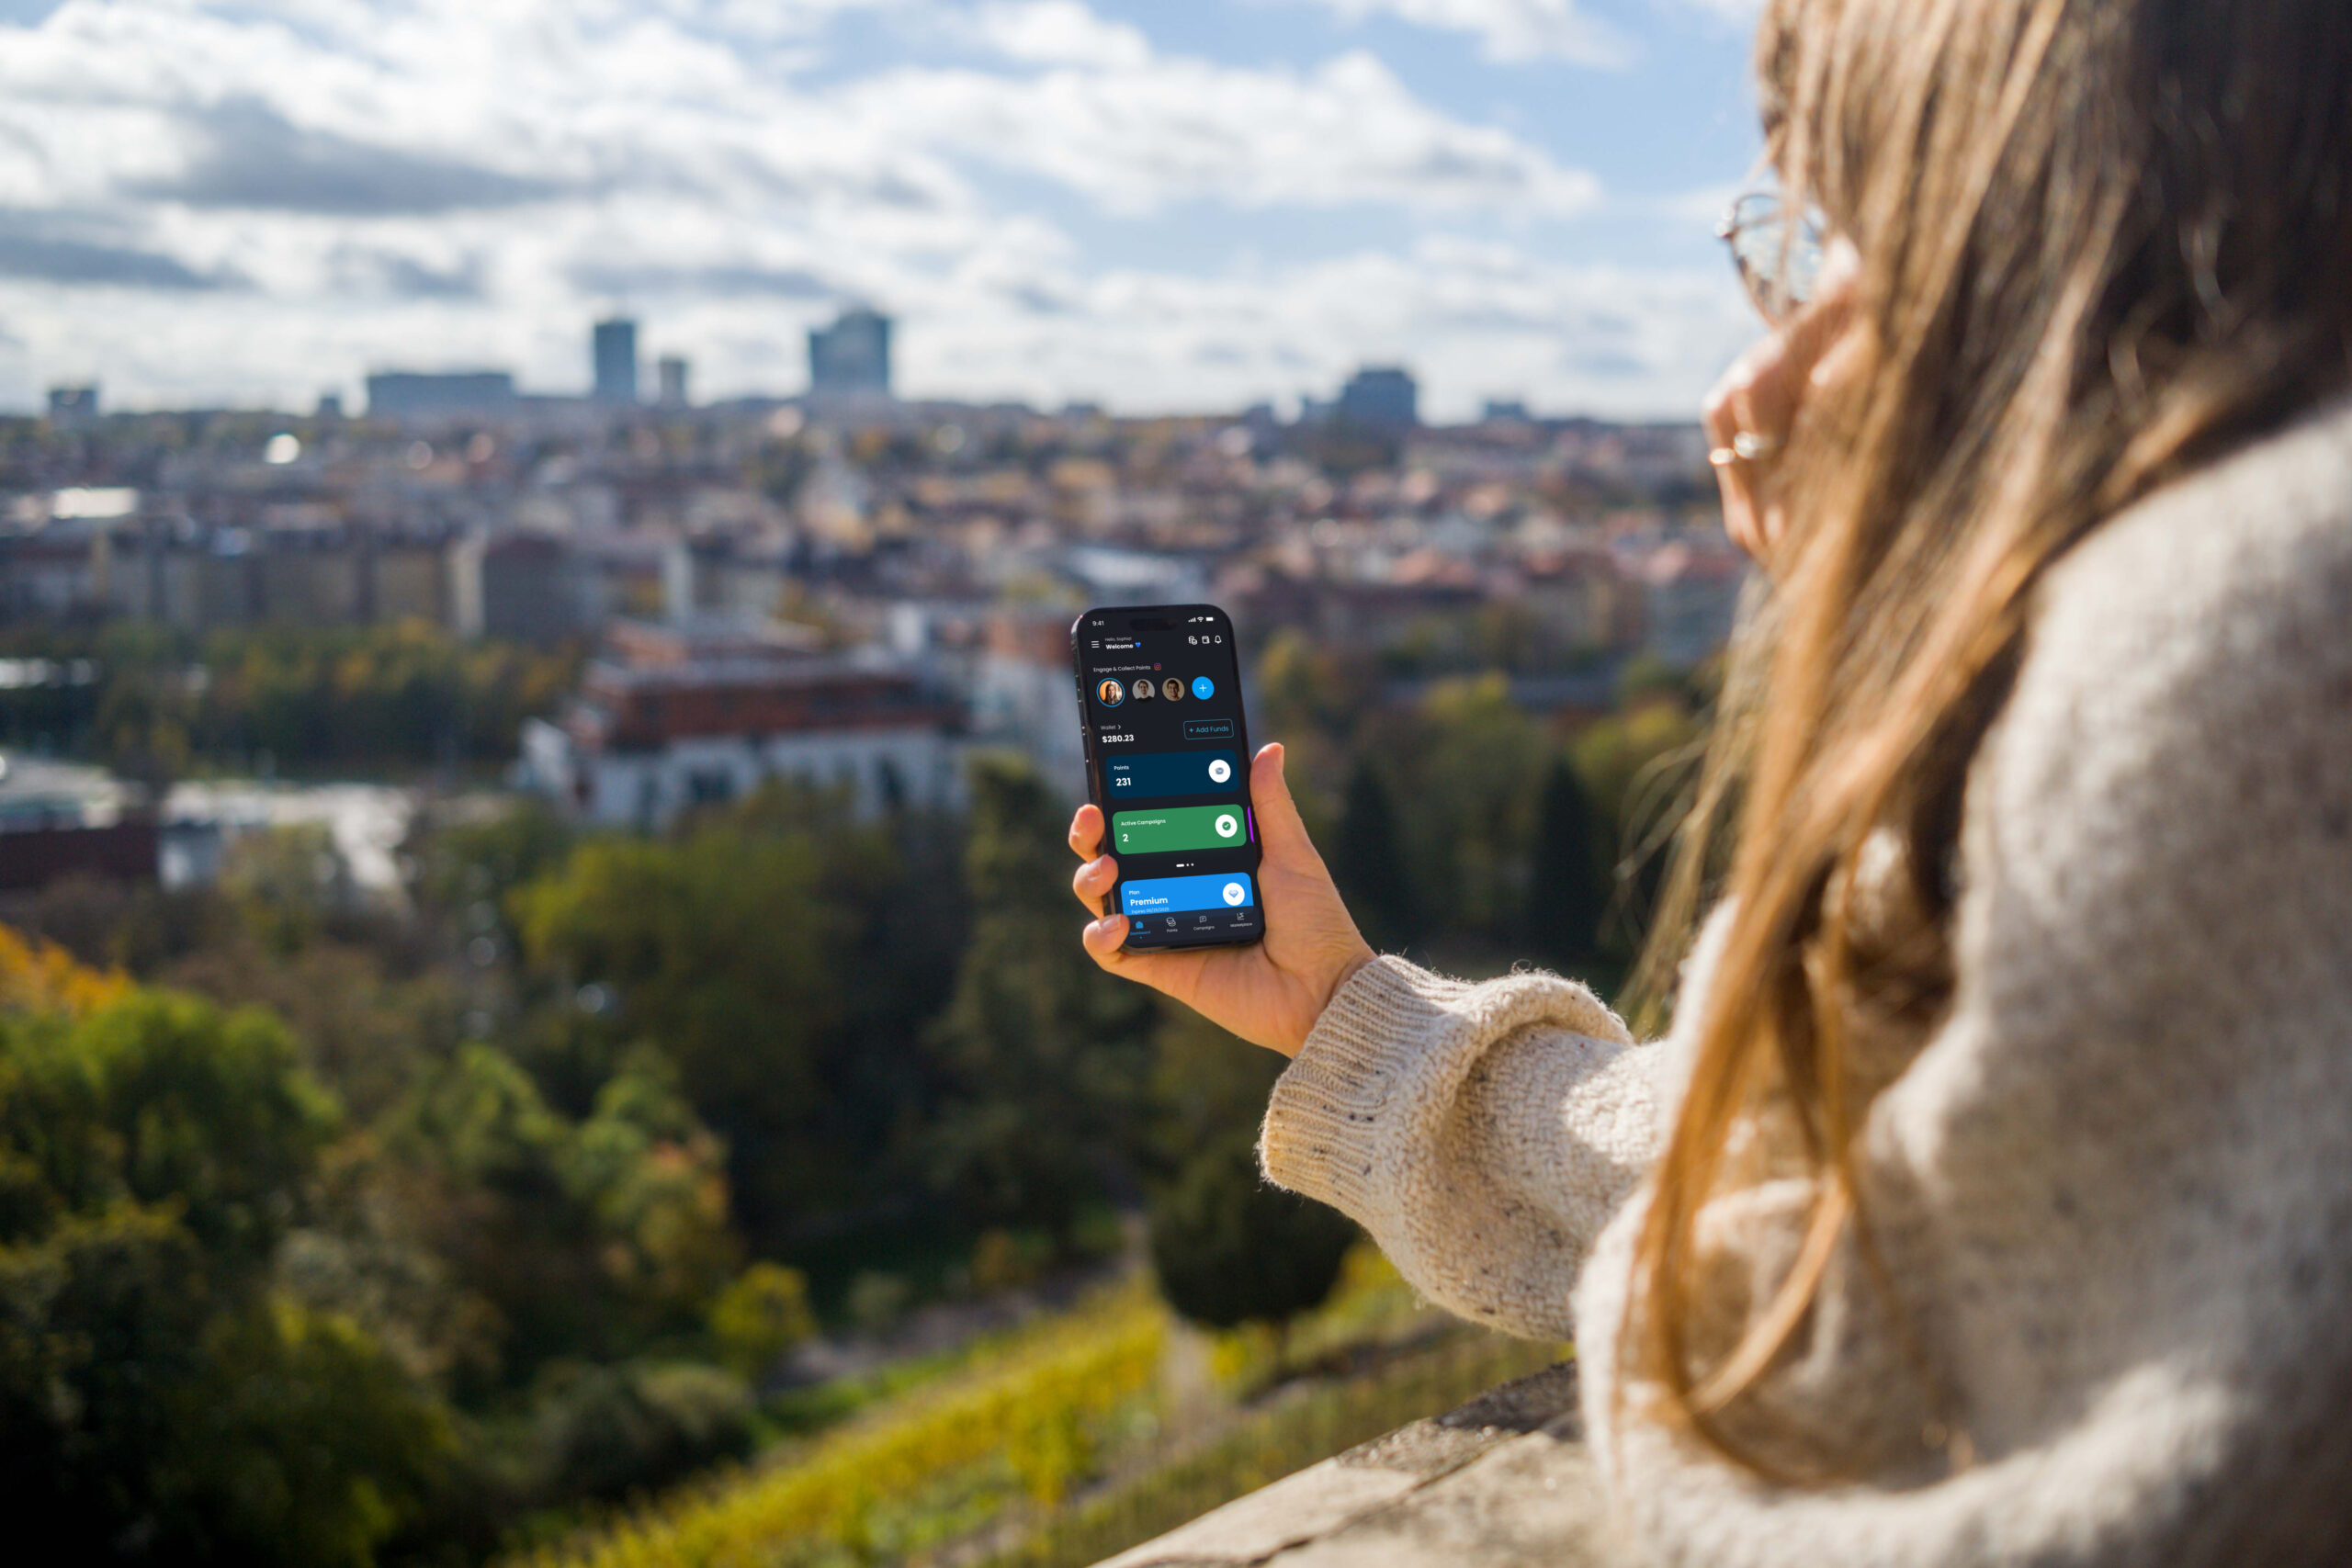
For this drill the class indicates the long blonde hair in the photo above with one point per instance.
(2102, 241)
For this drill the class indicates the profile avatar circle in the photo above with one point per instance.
(1111, 694)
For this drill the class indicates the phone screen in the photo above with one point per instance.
(1168, 759)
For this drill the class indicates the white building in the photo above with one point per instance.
(643, 744)
(1024, 695)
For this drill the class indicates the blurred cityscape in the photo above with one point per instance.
(535, 960)
(840, 586)
(542, 1020)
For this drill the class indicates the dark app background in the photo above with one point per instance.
(1160, 738)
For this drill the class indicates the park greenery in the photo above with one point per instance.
(158, 705)
(497, 1223)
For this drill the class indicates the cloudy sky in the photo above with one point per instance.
(1154, 204)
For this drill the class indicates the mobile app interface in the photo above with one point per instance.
(1163, 706)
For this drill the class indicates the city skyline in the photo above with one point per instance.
(1154, 208)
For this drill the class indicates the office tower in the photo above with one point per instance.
(614, 348)
(1382, 397)
(410, 394)
(73, 405)
(852, 357)
(673, 370)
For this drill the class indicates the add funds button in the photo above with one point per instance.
(1208, 729)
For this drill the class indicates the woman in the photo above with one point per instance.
(1991, 1196)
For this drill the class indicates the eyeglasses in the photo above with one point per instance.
(1776, 251)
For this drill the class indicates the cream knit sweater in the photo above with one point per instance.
(2113, 1189)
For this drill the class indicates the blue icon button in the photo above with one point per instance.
(1203, 687)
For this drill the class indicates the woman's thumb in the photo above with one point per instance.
(1278, 819)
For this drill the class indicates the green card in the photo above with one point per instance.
(1178, 828)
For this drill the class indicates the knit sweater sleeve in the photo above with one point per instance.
(1483, 1134)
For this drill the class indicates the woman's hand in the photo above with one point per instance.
(1271, 992)
(1751, 409)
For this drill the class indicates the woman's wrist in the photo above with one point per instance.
(1350, 967)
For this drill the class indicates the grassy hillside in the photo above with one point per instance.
(1068, 1439)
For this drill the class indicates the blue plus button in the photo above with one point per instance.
(1204, 688)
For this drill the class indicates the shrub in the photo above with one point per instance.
(763, 1314)
(1230, 1249)
(605, 1431)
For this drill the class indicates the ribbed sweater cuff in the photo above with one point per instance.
(1323, 1120)
(1394, 1036)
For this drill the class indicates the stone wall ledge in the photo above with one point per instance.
(1504, 1481)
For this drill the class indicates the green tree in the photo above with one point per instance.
(1229, 1249)
(653, 1180)
(1637, 765)
(587, 1238)
(1469, 761)
(300, 1441)
(607, 1431)
(786, 955)
(481, 862)
(719, 953)
(1368, 862)
(288, 882)
(1047, 1055)
(893, 886)
(156, 1394)
(1305, 690)
(763, 1314)
(309, 698)
(1207, 1085)
(1568, 892)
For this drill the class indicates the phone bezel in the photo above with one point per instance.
(1095, 791)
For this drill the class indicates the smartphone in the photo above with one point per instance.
(1167, 761)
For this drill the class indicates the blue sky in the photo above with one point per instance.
(1157, 206)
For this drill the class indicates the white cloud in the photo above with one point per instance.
(1473, 321)
(1511, 30)
(249, 200)
(1168, 131)
(1059, 32)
